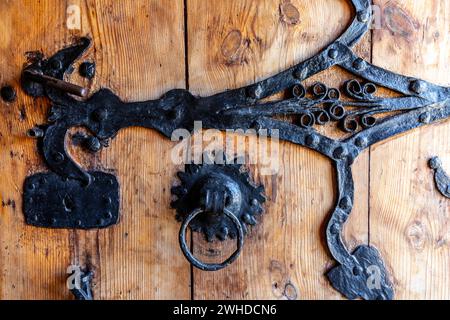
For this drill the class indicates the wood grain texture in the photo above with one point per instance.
(234, 43)
(138, 47)
(141, 55)
(33, 261)
(409, 219)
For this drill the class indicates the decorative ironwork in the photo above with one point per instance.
(441, 179)
(218, 199)
(53, 202)
(420, 103)
(82, 287)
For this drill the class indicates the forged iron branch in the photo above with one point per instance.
(104, 114)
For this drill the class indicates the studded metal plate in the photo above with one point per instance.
(54, 202)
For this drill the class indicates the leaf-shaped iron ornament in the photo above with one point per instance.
(441, 178)
(357, 274)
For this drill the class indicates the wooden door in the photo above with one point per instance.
(143, 48)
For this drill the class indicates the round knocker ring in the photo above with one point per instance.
(210, 266)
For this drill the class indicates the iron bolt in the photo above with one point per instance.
(36, 76)
(36, 132)
(425, 117)
(361, 142)
(8, 93)
(418, 86)
(363, 16)
(56, 65)
(301, 73)
(87, 70)
(312, 141)
(93, 144)
(359, 64)
(333, 53)
(100, 114)
(340, 153)
(345, 203)
(335, 228)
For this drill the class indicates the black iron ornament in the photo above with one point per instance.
(81, 288)
(52, 201)
(360, 273)
(441, 179)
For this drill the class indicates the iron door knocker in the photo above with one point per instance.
(218, 200)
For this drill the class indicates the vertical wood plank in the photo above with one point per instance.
(139, 51)
(138, 47)
(33, 261)
(234, 43)
(409, 219)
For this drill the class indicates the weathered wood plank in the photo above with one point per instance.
(234, 43)
(409, 219)
(33, 261)
(138, 48)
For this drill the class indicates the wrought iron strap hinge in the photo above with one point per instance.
(355, 109)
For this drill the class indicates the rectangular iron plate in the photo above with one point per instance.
(52, 202)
